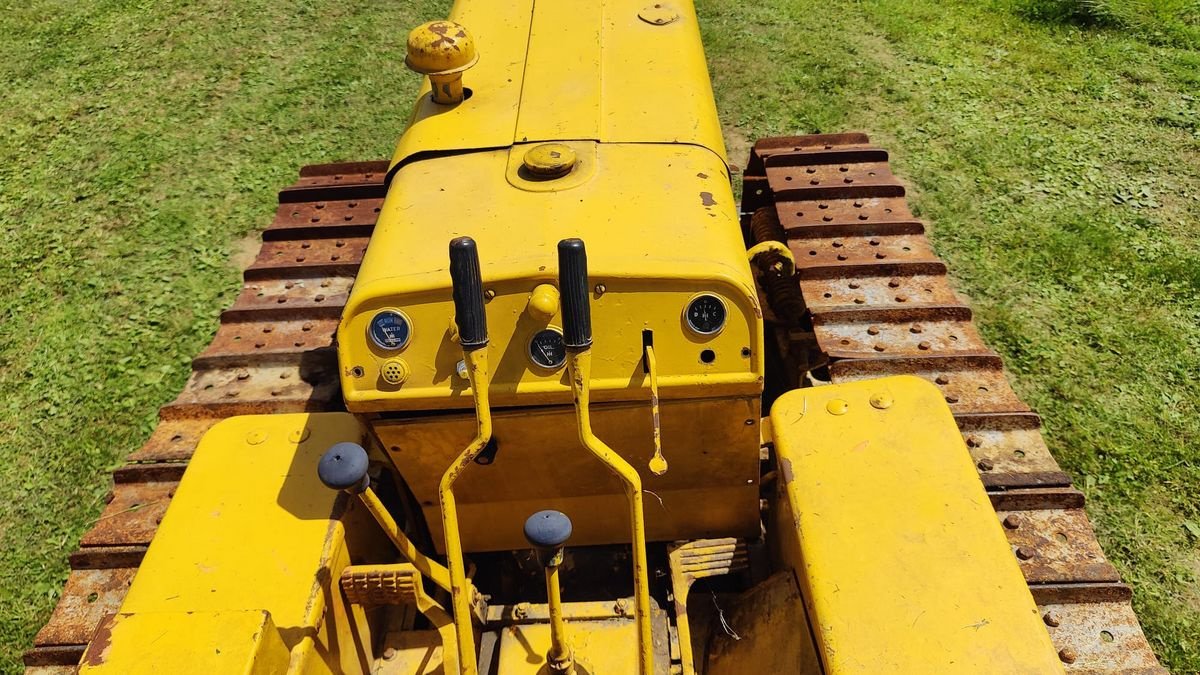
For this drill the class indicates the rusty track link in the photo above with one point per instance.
(877, 302)
(273, 353)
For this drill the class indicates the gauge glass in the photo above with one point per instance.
(705, 314)
(390, 330)
(547, 350)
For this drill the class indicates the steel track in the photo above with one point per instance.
(870, 299)
(273, 353)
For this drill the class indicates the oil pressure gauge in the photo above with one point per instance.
(705, 314)
(390, 330)
(547, 350)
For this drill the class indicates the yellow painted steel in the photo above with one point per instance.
(650, 255)
(658, 464)
(559, 657)
(460, 589)
(540, 464)
(572, 70)
(601, 647)
(903, 565)
(245, 642)
(580, 365)
(252, 529)
(442, 50)
(436, 572)
(407, 578)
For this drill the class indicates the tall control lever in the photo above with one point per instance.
(467, 288)
(577, 337)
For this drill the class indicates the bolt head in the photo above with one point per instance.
(985, 465)
(1025, 553)
(1067, 655)
(1052, 619)
(1012, 521)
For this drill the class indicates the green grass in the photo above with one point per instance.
(1058, 159)
(1060, 167)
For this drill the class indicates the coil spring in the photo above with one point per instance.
(783, 293)
(765, 226)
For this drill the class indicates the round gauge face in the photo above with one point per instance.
(706, 314)
(390, 330)
(547, 350)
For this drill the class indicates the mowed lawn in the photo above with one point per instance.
(1059, 164)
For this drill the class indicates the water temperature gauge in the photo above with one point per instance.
(547, 350)
(390, 330)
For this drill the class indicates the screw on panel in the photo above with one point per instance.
(256, 437)
(837, 407)
(881, 401)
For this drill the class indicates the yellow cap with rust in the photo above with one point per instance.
(442, 50)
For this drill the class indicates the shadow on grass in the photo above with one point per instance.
(1168, 23)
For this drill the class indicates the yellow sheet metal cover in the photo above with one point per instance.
(237, 642)
(902, 560)
(574, 70)
(250, 527)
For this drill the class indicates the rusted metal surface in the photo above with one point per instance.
(272, 353)
(878, 302)
(1099, 637)
(1056, 546)
(173, 440)
(89, 596)
(132, 515)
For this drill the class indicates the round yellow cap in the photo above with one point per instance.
(549, 160)
(440, 47)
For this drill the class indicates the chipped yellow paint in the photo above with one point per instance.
(651, 255)
(902, 563)
(245, 642)
(572, 70)
(251, 529)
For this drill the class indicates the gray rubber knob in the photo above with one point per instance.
(344, 467)
(548, 530)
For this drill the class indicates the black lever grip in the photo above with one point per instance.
(573, 285)
(467, 284)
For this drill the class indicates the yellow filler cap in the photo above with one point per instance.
(550, 160)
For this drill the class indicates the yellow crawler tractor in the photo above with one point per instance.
(536, 396)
